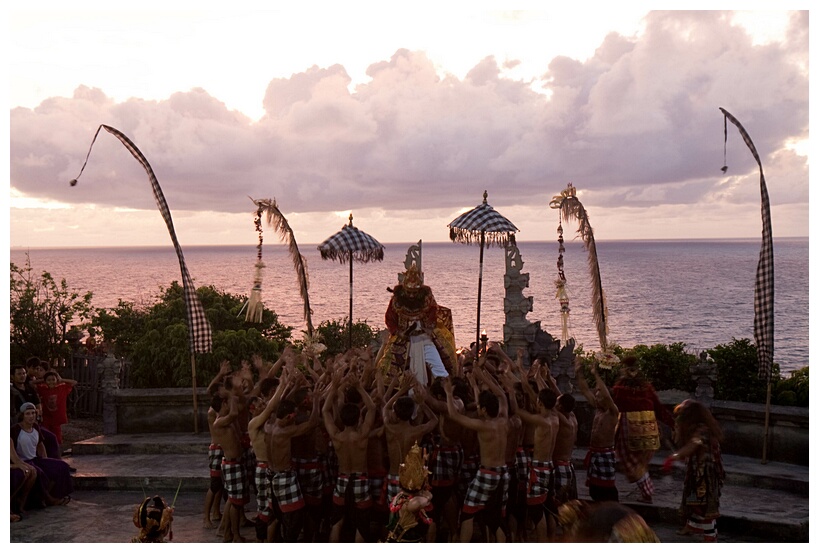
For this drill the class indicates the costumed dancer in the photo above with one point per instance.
(638, 436)
(417, 339)
(697, 435)
(606, 522)
(408, 518)
(153, 517)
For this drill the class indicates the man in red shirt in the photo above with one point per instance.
(53, 399)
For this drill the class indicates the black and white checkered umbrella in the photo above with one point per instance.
(348, 245)
(490, 227)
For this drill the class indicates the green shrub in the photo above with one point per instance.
(737, 372)
(155, 338)
(335, 335)
(793, 390)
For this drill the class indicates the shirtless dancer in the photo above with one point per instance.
(401, 433)
(213, 497)
(257, 429)
(284, 480)
(491, 482)
(546, 426)
(226, 433)
(600, 460)
(352, 494)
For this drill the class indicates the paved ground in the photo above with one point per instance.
(760, 503)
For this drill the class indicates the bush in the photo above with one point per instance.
(665, 366)
(40, 311)
(737, 372)
(155, 338)
(792, 390)
(335, 335)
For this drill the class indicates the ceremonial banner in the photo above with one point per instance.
(764, 285)
(199, 331)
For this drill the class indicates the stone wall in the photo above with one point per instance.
(171, 410)
(743, 425)
(157, 410)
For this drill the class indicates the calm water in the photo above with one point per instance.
(696, 292)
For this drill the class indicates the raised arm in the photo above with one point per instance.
(497, 390)
(327, 409)
(606, 401)
(581, 381)
(224, 369)
(369, 404)
(463, 420)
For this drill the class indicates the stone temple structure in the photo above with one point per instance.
(518, 332)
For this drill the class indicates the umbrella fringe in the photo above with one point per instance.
(491, 238)
(343, 256)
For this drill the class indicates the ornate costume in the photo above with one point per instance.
(420, 331)
(638, 436)
(408, 520)
(153, 517)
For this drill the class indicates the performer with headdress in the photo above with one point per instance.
(153, 517)
(408, 518)
(418, 339)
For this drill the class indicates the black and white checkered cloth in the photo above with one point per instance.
(199, 331)
(468, 226)
(351, 242)
(764, 285)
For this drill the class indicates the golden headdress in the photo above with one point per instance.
(412, 473)
(413, 278)
(153, 517)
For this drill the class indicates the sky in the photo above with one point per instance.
(402, 116)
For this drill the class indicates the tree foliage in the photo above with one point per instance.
(155, 338)
(41, 309)
(335, 335)
(737, 369)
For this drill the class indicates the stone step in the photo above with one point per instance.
(143, 444)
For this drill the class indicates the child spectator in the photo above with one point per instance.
(53, 400)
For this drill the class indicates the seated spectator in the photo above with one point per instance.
(54, 484)
(23, 478)
(23, 391)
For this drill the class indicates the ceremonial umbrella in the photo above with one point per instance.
(492, 228)
(354, 245)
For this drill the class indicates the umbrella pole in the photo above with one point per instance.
(480, 283)
(350, 333)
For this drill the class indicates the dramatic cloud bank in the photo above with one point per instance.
(636, 127)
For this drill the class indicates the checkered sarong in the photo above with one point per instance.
(357, 486)
(311, 478)
(444, 464)
(469, 468)
(564, 482)
(600, 466)
(489, 482)
(285, 487)
(215, 455)
(523, 463)
(263, 492)
(233, 471)
(391, 487)
(537, 489)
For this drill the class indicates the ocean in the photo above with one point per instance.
(699, 292)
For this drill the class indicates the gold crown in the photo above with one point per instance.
(413, 278)
(412, 473)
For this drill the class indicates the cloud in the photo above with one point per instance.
(635, 125)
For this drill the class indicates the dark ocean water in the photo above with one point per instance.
(700, 292)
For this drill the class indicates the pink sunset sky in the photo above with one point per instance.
(402, 116)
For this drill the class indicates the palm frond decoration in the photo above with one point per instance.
(277, 220)
(571, 208)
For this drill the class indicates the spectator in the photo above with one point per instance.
(53, 394)
(23, 391)
(23, 478)
(54, 484)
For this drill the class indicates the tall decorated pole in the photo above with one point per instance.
(199, 330)
(570, 208)
(764, 283)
